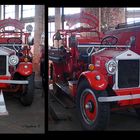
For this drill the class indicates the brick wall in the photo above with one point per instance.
(112, 16)
(109, 16)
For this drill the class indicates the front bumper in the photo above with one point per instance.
(125, 96)
(119, 98)
(14, 82)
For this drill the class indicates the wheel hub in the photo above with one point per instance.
(90, 106)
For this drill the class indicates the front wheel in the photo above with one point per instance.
(93, 115)
(27, 95)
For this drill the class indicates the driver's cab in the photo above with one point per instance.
(89, 48)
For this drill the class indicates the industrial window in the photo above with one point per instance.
(19, 11)
(51, 31)
(68, 11)
(133, 9)
(133, 15)
(133, 20)
(9, 11)
(28, 11)
(2, 11)
(73, 27)
(51, 26)
(71, 11)
(51, 11)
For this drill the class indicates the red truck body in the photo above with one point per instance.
(101, 73)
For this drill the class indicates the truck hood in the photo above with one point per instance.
(101, 58)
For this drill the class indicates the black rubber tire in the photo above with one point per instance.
(27, 96)
(103, 113)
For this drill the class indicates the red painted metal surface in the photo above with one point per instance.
(74, 68)
(124, 35)
(4, 85)
(25, 68)
(129, 91)
(96, 84)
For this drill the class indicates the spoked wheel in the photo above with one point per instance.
(93, 115)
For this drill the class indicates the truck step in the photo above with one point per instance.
(64, 99)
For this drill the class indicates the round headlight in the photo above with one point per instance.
(111, 67)
(13, 60)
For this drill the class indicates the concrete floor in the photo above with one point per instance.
(23, 119)
(67, 119)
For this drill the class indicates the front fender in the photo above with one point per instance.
(90, 76)
(25, 68)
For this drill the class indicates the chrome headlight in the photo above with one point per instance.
(111, 67)
(13, 60)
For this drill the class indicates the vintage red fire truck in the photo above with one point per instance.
(99, 74)
(16, 70)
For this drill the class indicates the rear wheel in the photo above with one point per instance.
(94, 115)
(27, 95)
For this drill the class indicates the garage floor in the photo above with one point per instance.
(66, 118)
(24, 119)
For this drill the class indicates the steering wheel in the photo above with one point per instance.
(109, 40)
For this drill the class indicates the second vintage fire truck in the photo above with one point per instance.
(99, 74)
(16, 70)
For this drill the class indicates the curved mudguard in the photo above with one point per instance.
(90, 76)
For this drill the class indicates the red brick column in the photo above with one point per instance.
(39, 28)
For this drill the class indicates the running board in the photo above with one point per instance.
(64, 100)
(64, 88)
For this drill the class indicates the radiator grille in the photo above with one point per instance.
(2, 65)
(128, 73)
